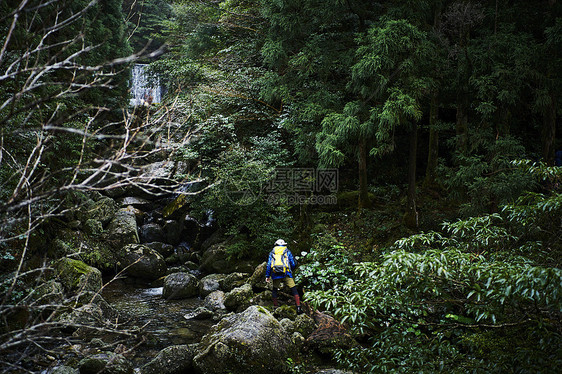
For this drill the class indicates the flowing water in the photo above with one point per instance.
(164, 319)
(142, 90)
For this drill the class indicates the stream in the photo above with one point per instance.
(164, 320)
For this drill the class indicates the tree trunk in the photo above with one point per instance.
(433, 153)
(411, 218)
(461, 126)
(548, 132)
(364, 201)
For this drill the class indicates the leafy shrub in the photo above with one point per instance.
(478, 296)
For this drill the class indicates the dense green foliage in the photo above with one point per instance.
(460, 273)
(449, 91)
(479, 295)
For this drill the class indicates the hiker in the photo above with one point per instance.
(280, 266)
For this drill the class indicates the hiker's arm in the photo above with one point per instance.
(268, 269)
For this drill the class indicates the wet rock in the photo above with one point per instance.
(238, 297)
(164, 249)
(251, 341)
(109, 363)
(64, 370)
(173, 231)
(135, 202)
(175, 359)
(210, 283)
(180, 286)
(122, 229)
(151, 232)
(199, 313)
(77, 276)
(215, 301)
(142, 262)
(191, 228)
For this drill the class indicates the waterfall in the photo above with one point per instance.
(142, 92)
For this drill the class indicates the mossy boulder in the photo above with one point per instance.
(122, 229)
(304, 325)
(257, 279)
(50, 292)
(238, 297)
(75, 275)
(93, 227)
(102, 210)
(175, 359)
(251, 341)
(110, 363)
(91, 249)
(142, 262)
(233, 280)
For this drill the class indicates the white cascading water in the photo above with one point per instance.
(142, 92)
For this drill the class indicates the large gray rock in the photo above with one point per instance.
(175, 359)
(142, 262)
(210, 283)
(89, 315)
(180, 286)
(122, 229)
(251, 341)
(77, 276)
(215, 301)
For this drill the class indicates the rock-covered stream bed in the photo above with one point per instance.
(164, 323)
(137, 287)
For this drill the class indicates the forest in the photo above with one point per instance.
(408, 152)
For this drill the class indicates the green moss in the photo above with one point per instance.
(175, 205)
